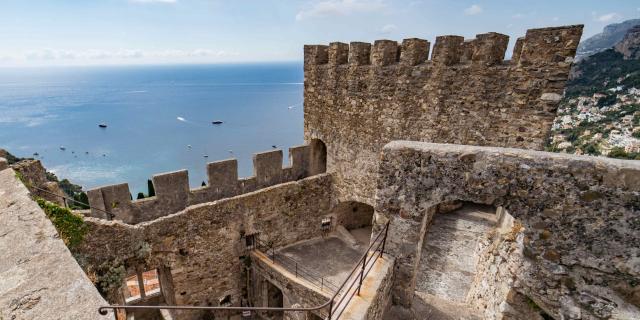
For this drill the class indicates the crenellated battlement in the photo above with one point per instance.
(173, 193)
(359, 96)
(540, 46)
(448, 50)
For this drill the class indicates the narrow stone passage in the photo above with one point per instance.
(450, 252)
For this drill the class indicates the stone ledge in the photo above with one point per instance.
(39, 277)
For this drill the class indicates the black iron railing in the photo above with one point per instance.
(332, 308)
(66, 200)
(296, 267)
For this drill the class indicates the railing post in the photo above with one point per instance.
(296, 269)
(321, 283)
(364, 263)
(384, 239)
(330, 309)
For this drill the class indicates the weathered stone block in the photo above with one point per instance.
(359, 53)
(268, 168)
(414, 51)
(447, 50)
(4, 163)
(338, 53)
(223, 176)
(385, 52)
(489, 48)
(315, 54)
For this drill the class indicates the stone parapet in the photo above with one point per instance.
(173, 193)
(39, 278)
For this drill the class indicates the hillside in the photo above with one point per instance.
(600, 112)
(609, 37)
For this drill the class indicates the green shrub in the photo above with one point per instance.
(607, 100)
(70, 226)
(619, 153)
(81, 201)
(22, 179)
(591, 148)
(111, 276)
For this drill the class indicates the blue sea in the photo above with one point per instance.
(153, 114)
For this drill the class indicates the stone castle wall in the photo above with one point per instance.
(173, 193)
(202, 246)
(359, 97)
(576, 256)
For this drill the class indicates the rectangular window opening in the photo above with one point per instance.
(141, 285)
(132, 289)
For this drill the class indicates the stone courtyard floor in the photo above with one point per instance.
(331, 257)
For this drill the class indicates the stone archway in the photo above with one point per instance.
(356, 217)
(275, 299)
(318, 157)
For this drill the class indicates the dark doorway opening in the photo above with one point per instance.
(318, 157)
(275, 299)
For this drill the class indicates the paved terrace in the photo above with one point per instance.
(332, 257)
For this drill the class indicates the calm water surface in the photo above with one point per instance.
(153, 113)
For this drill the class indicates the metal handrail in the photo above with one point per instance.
(65, 198)
(296, 267)
(330, 303)
(362, 260)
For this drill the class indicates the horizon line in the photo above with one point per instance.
(150, 64)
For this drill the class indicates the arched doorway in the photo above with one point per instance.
(355, 217)
(318, 157)
(275, 299)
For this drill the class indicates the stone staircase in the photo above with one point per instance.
(449, 257)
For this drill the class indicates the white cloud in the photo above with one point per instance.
(154, 1)
(555, 19)
(518, 16)
(608, 17)
(92, 54)
(340, 8)
(473, 10)
(388, 28)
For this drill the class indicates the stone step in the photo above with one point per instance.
(435, 308)
(429, 307)
(450, 251)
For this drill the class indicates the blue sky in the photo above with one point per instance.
(81, 32)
